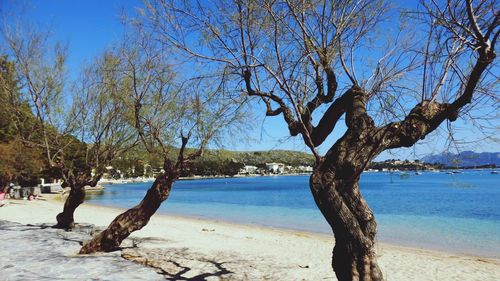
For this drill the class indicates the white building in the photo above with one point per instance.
(248, 169)
(275, 168)
(305, 169)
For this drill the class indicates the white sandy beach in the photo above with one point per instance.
(184, 248)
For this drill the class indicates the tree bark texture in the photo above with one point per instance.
(131, 220)
(76, 196)
(335, 188)
(77, 183)
(353, 224)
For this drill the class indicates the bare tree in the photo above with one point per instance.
(80, 138)
(297, 56)
(170, 111)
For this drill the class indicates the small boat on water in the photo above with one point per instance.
(404, 175)
(94, 188)
(453, 172)
(494, 172)
(418, 173)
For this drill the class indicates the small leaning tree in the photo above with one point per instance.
(297, 56)
(176, 116)
(80, 134)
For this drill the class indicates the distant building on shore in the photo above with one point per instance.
(305, 169)
(248, 169)
(400, 165)
(275, 168)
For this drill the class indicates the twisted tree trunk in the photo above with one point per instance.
(335, 187)
(131, 220)
(352, 222)
(76, 196)
(77, 182)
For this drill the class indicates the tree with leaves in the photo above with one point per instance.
(17, 126)
(170, 111)
(78, 138)
(296, 57)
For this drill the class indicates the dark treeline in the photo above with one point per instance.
(22, 159)
(18, 162)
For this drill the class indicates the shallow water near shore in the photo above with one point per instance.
(457, 213)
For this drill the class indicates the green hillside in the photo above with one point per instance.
(214, 161)
(288, 157)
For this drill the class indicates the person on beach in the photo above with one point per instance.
(10, 190)
(2, 198)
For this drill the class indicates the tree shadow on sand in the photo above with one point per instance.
(221, 271)
(176, 264)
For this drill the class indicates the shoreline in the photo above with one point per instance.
(197, 177)
(440, 224)
(150, 180)
(387, 233)
(301, 232)
(254, 252)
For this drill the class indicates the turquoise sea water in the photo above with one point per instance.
(457, 213)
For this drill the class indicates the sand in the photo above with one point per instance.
(34, 252)
(181, 248)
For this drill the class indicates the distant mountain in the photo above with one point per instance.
(464, 159)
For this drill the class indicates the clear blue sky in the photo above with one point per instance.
(89, 26)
